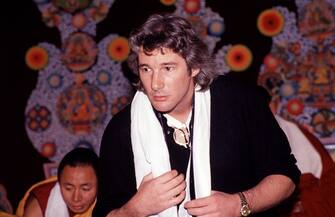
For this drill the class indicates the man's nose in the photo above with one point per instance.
(157, 82)
(76, 195)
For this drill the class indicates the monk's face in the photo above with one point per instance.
(79, 187)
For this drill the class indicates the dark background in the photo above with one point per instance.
(22, 27)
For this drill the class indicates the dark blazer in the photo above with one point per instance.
(246, 145)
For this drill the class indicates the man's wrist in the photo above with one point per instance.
(129, 210)
(132, 209)
(245, 207)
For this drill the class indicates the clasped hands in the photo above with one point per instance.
(157, 194)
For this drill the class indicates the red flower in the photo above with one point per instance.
(271, 62)
(295, 107)
(270, 22)
(48, 150)
(37, 58)
(118, 49)
(239, 57)
(191, 6)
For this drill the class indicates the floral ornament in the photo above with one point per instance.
(118, 49)
(322, 122)
(168, 2)
(239, 57)
(316, 18)
(55, 80)
(79, 20)
(295, 48)
(81, 108)
(48, 149)
(72, 5)
(198, 25)
(38, 118)
(51, 17)
(104, 78)
(72, 102)
(287, 90)
(99, 12)
(295, 107)
(216, 27)
(306, 89)
(72, 15)
(270, 22)
(192, 6)
(37, 58)
(271, 62)
(79, 52)
(205, 22)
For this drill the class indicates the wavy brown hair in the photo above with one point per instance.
(175, 33)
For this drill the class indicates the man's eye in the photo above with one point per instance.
(144, 69)
(86, 189)
(68, 188)
(168, 68)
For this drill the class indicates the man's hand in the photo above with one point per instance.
(269, 192)
(157, 194)
(218, 204)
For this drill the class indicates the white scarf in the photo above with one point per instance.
(150, 150)
(56, 206)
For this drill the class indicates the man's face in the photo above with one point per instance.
(167, 81)
(79, 187)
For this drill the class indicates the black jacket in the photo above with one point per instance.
(246, 145)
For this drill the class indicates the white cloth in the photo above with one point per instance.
(56, 206)
(182, 127)
(174, 123)
(308, 159)
(151, 153)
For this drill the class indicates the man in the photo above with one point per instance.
(190, 144)
(74, 193)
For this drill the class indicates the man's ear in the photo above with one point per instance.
(195, 72)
